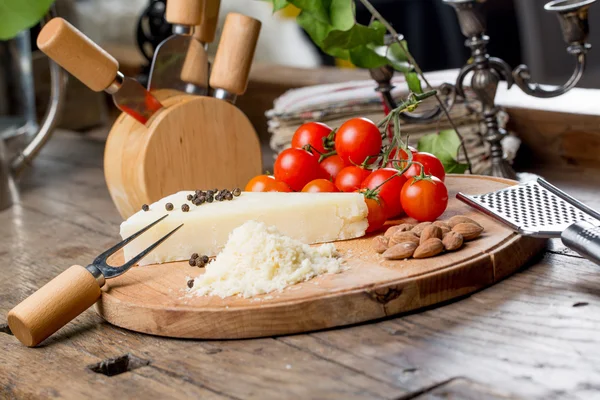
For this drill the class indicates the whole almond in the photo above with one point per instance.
(391, 230)
(400, 237)
(431, 247)
(460, 219)
(400, 251)
(445, 230)
(419, 228)
(430, 231)
(452, 241)
(467, 230)
(380, 244)
(442, 224)
(405, 227)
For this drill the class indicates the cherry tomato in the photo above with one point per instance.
(266, 183)
(402, 155)
(332, 165)
(297, 167)
(351, 178)
(390, 191)
(357, 139)
(432, 165)
(311, 133)
(377, 213)
(320, 186)
(424, 199)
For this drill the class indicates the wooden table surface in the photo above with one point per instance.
(534, 335)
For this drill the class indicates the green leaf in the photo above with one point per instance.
(17, 15)
(342, 14)
(279, 4)
(413, 81)
(318, 9)
(318, 31)
(365, 57)
(395, 55)
(358, 35)
(444, 145)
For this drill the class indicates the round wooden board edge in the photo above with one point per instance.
(342, 308)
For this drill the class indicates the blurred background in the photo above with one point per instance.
(520, 30)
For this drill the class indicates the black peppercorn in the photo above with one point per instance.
(204, 258)
(145, 207)
(169, 206)
(185, 208)
(201, 199)
(196, 201)
(228, 196)
(189, 196)
(210, 193)
(237, 192)
(190, 283)
(194, 256)
(209, 199)
(192, 262)
(219, 197)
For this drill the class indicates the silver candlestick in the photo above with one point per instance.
(488, 71)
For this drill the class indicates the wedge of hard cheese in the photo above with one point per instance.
(308, 217)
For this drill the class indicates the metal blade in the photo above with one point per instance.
(133, 99)
(168, 64)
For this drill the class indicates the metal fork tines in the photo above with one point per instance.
(100, 269)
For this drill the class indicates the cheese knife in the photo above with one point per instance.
(170, 55)
(97, 69)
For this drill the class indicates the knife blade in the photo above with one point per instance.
(170, 55)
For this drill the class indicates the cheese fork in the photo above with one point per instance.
(70, 293)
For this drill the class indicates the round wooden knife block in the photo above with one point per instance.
(173, 152)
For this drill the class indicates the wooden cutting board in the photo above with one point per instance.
(152, 299)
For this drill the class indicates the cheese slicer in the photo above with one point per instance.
(170, 55)
(97, 69)
(69, 294)
(539, 209)
(196, 67)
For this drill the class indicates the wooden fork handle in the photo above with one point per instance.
(53, 305)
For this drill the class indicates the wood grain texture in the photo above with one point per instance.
(195, 142)
(235, 53)
(205, 32)
(184, 12)
(523, 336)
(76, 53)
(195, 65)
(152, 298)
(53, 305)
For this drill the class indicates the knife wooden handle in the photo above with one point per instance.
(205, 32)
(195, 65)
(76, 53)
(184, 12)
(234, 56)
(53, 305)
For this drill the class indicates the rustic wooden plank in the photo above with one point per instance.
(459, 388)
(533, 335)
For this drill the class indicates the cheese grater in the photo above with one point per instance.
(539, 209)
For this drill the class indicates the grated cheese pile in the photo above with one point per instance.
(257, 259)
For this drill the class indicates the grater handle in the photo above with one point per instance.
(584, 238)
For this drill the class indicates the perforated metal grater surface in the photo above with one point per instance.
(530, 209)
